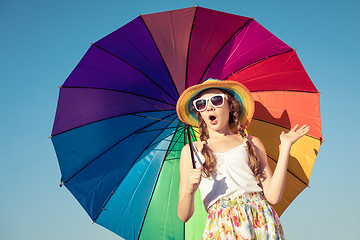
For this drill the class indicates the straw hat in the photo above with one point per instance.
(183, 106)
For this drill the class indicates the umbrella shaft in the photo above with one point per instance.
(191, 146)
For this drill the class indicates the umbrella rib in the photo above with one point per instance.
(113, 191)
(193, 133)
(153, 82)
(259, 44)
(285, 127)
(154, 143)
(132, 114)
(131, 93)
(207, 68)
(167, 69)
(157, 129)
(175, 118)
(257, 78)
(285, 90)
(118, 184)
(177, 140)
(168, 203)
(256, 62)
(160, 109)
(307, 185)
(188, 49)
(127, 172)
(166, 137)
(109, 150)
(167, 152)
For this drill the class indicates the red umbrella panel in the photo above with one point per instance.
(116, 133)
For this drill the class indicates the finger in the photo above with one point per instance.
(196, 181)
(195, 175)
(303, 127)
(294, 128)
(305, 130)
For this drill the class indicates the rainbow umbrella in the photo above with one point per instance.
(116, 133)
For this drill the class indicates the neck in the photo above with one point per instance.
(219, 133)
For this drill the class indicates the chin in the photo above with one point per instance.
(216, 127)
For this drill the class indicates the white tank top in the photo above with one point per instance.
(232, 176)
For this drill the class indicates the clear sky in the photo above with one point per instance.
(42, 41)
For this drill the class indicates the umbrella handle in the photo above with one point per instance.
(191, 146)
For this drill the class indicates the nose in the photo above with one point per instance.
(209, 106)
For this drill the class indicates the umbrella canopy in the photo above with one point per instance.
(116, 133)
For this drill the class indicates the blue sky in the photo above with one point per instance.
(42, 41)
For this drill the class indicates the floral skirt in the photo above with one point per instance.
(243, 217)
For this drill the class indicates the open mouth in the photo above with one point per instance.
(212, 119)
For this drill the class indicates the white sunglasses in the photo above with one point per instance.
(216, 100)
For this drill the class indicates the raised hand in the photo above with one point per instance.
(294, 134)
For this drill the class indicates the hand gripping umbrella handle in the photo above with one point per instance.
(191, 146)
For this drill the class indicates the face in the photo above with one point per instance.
(216, 118)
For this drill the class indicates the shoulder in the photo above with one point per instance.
(198, 145)
(185, 152)
(185, 147)
(256, 142)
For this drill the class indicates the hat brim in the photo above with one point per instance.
(242, 94)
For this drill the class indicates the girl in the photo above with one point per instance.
(233, 175)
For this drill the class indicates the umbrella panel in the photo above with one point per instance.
(81, 106)
(252, 44)
(211, 31)
(279, 72)
(161, 219)
(125, 210)
(196, 224)
(302, 158)
(94, 182)
(133, 45)
(284, 108)
(289, 195)
(78, 147)
(172, 28)
(162, 211)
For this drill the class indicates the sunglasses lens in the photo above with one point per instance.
(200, 104)
(217, 100)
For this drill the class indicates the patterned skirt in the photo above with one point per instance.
(243, 217)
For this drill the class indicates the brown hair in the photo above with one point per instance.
(236, 127)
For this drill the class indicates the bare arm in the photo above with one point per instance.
(274, 183)
(189, 182)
